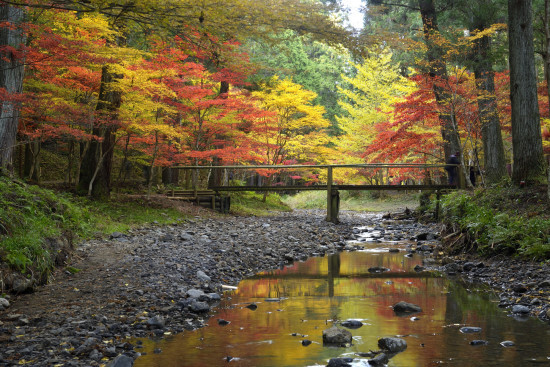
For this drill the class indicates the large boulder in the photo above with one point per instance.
(337, 337)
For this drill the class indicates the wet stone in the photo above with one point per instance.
(380, 360)
(352, 324)
(392, 345)
(470, 329)
(340, 362)
(520, 309)
(199, 307)
(507, 343)
(479, 342)
(337, 337)
(405, 308)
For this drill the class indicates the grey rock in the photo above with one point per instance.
(202, 276)
(337, 337)
(392, 345)
(521, 309)
(507, 343)
(544, 284)
(214, 296)
(20, 284)
(479, 342)
(469, 266)
(116, 235)
(4, 302)
(352, 324)
(470, 329)
(195, 293)
(405, 308)
(199, 307)
(340, 362)
(121, 361)
(156, 322)
(380, 360)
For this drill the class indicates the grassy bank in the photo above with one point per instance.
(250, 203)
(33, 219)
(368, 201)
(503, 220)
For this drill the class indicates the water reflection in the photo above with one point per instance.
(316, 293)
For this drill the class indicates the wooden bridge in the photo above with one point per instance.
(332, 189)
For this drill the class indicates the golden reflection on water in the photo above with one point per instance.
(323, 290)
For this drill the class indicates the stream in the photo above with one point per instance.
(299, 301)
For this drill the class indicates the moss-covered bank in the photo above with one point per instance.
(38, 228)
(500, 220)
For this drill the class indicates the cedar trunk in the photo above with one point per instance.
(11, 79)
(526, 135)
(438, 71)
(493, 147)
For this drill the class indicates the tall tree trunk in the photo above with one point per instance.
(493, 147)
(11, 79)
(546, 21)
(109, 102)
(438, 71)
(526, 135)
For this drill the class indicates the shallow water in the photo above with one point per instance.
(322, 291)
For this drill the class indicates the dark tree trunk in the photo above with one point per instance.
(547, 47)
(438, 71)
(493, 147)
(102, 152)
(526, 135)
(11, 79)
(216, 176)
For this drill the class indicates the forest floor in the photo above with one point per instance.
(158, 280)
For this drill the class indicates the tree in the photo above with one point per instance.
(315, 66)
(12, 59)
(368, 100)
(296, 129)
(526, 129)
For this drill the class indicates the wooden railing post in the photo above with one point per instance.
(329, 194)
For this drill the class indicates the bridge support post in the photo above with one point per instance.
(333, 199)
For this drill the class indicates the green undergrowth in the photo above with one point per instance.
(250, 203)
(368, 201)
(31, 216)
(28, 216)
(502, 220)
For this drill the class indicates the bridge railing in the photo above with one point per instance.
(332, 188)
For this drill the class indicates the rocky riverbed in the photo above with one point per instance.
(160, 280)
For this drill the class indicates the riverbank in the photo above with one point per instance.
(159, 280)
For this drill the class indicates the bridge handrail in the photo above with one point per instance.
(351, 165)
